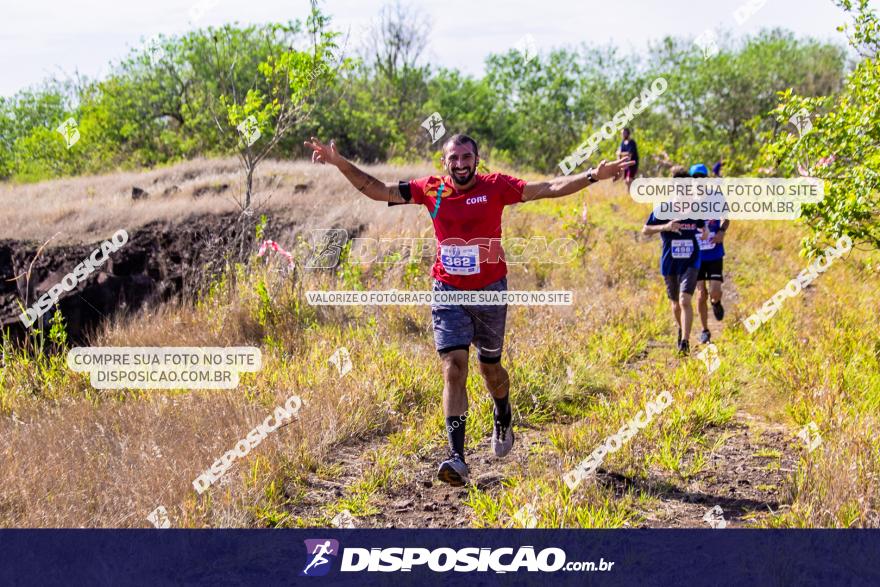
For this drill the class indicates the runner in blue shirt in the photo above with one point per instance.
(711, 267)
(711, 271)
(679, 265)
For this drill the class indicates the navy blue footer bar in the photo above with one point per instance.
(321, 557)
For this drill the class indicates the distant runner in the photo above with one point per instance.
(628, 148)
(679, 265)
(711, 267)
(466, 209)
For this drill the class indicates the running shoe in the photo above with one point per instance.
(502, 435)
(718, 310)
(705, 337)
(453, 471)
(684, 348)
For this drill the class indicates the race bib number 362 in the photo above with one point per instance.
(460, 260)
(682, 249)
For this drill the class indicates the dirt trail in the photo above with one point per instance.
(745, 475)
(421, 501)
(426, 502)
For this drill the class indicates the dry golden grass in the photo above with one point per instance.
(89, 208)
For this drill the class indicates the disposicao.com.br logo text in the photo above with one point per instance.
(441, 560)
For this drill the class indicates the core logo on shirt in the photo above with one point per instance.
(477, 200)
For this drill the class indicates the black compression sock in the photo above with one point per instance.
(502, 409)
(455, 431)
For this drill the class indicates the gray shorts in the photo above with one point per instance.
(681, 283)
(457, 327)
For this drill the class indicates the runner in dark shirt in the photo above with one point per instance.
(628, 148)
(679, 265)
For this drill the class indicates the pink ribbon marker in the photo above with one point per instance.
(277, 248)
(823, 162)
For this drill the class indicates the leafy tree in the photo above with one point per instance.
(398, 82)
(468, 106)
(289, 80)
(180, 97)
(349, 112)
(843, 145)
(718, 107)
(539, 119)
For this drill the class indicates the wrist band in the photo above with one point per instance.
(405, 193)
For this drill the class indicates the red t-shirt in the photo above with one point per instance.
(467, 225)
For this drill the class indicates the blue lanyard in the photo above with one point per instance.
(437, 204)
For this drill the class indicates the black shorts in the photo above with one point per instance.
(681, 283)
(711, 271)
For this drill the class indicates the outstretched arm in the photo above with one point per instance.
(569, 184)
(360, 179)
(671, 226)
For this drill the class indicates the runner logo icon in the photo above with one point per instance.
(320, 554)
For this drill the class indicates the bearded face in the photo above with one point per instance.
(461, 163)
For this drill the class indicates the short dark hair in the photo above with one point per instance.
(679, 171)
(462, 139)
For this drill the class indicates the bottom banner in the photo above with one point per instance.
(433, 557)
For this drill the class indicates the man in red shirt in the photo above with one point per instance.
(466, 209)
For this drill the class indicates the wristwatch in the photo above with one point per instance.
(591, 175)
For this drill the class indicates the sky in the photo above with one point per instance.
(39, 39)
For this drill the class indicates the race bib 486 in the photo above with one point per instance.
(707, 245)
